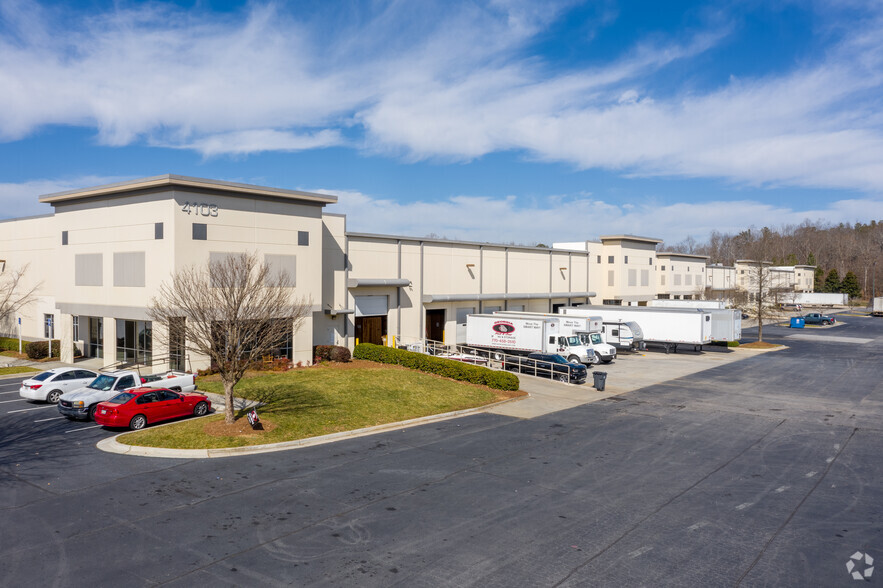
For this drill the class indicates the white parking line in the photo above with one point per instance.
(10, 392)
(50, 419)
(27, 409)
(82, 428)
(5, 401)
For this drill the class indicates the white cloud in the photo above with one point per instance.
(564, 218)
(445, 80)
(22, 199)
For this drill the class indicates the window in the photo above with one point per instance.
(76, 320)
(610, 278)
(177, 327)
(625, 259)
(650, 262)
(200, 232)
(677, 281)
(303, 238)
(609, 259)
(599, 259)
(126, 382)
(688, 280)
(64, 237)
(147, 398)
(645, 278)
(48, 326)
(157, 231)
(663, 268)
(662, 280)
(281, 265)
(134, 341)
(633, 278)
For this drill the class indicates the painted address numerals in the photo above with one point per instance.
(200, 208)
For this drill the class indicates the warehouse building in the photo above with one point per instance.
(103, 253)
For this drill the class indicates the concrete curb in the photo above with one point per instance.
(111, 445)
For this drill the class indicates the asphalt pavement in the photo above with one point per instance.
(762, 471)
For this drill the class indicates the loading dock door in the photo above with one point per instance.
(371, 314)
(435, 324)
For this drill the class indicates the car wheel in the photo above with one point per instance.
(573, 359)
(92, 410)
(138, 422)
(201, 409)
(562, 377)
(52, 397)
(826, 322)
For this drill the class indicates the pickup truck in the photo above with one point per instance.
(82, 402)
(816, 318)
(548, 365)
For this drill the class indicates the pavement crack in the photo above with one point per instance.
(796, 508)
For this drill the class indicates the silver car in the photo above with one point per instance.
(50, 385)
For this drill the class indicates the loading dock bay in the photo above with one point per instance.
(760, 471)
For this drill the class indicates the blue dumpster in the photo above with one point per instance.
(797, 322)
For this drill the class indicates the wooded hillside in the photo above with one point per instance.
(846, 249)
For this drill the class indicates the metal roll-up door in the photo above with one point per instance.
(372, 305)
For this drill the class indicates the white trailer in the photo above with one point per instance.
(814, 299)
(588, 329)
(514, 335)
(669, 327)
(877, 308)
(704, 304)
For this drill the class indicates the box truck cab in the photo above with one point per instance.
(500, 335)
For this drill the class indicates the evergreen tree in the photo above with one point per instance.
(819, 280)
(832, 281)
(851, 286)
(811, 259)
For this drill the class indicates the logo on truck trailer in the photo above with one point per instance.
(503, 327)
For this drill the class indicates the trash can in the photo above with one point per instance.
(797, 322)
(599, 379)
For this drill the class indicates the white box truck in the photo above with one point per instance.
(620, 334)
(500, 335)
(726, 323)
(668, 327)
(877, 307)
(587, 328)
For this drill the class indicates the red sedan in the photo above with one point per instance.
(139, 407)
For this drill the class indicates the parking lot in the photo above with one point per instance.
(761, 471)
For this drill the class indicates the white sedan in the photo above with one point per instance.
(50, 385)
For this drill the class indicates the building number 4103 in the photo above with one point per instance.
(200, 208)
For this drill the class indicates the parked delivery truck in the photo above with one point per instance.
(500, 335)
(877, 308)
(668, 327)
(618, 333)
(587, 328)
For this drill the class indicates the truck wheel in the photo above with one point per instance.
(176, 389)
(52, 397)
(92, 410)
(562, 377)
(138, 422)
(607, 360)
(573, 359)
(200, 409)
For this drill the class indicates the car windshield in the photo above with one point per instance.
(122, 398)
(103, 383)
(573, 341)
(43, 376)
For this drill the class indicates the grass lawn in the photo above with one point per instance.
(327, 398)
(17, 369)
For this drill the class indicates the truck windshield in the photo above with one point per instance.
(103, 383)
(596, 338)
(573, 341)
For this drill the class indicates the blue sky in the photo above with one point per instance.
(503, 121)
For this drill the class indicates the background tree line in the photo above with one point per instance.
(846, 256)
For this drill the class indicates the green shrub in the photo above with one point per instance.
(8, 344)
(40, 349)
(447, 368)
(732, 343)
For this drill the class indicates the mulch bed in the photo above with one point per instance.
(239, 428)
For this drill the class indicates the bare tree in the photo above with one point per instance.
(14, 294)
(235, 311)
